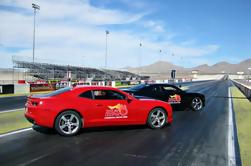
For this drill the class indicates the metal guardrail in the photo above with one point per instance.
(244, 88)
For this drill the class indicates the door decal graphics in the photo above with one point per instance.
(118, 111)
(174, 99)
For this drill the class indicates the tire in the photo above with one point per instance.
(196, 104)
(68, 123)
(157, 118)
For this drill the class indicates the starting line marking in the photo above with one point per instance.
(15, 132)
(19, 109)
(231, 146)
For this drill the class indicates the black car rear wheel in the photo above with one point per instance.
(196, 104)
(68, 123)
(157, 118)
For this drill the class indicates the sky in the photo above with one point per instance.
(141, 32)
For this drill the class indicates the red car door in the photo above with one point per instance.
(112, 108)
(90, 109)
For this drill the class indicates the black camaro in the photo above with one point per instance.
(169, 93)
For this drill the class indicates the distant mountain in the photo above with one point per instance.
(203, 67)
(245, 63)
(158, 67)
(221, 67)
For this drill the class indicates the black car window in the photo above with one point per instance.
(108, 95)
(138, 87)
(155, 89)
(150, 90)
(87, 94)
(169, 88)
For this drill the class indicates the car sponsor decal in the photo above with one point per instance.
(174, 99)
(116, 112)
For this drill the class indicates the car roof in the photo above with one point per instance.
(161, 84)
(82, 88)
(151, 85)
(91, 87)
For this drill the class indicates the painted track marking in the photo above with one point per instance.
(231, 147)
(15, 132)
(6, 111)
(30, 162)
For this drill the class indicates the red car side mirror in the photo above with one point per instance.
(129, 99)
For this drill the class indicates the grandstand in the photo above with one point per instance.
(48, 71)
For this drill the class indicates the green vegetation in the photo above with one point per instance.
(242, 108)
(124, 86)
(11, 121)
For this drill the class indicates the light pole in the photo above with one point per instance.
(35, 7)
(83, 60)
(160, 55)
(13, 69)
(249, 70)
(106, 51)
(140, 45)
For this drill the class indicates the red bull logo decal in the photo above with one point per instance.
(116, 112)
(174, 99)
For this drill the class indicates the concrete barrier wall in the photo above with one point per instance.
(236, 76)
(245, 90)
(7, 89)
(21, 88)
(8, 76)
(208, 77)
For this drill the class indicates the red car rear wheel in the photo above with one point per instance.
(68, 123)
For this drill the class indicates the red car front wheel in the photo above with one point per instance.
(157, 118)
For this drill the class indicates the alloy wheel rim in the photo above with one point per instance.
(158, 118)
(197, 103)
(69, 124)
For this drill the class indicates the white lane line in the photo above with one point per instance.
(231, 147)
(34, 160)
(11, 110)
(15, 132)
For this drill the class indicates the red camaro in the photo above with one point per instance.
(69, 109)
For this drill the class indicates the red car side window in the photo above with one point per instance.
(107, 95)
(87, 94)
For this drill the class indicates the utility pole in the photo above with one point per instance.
(106, 51)
(35, 7)
(160, 51)
(249, 70)
(106, 47)
(140, 45)
(83, 61)
(13, 69)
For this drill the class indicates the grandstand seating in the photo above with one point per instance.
(54, 72)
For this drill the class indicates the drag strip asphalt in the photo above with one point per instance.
(194, 138)
(12, 103)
